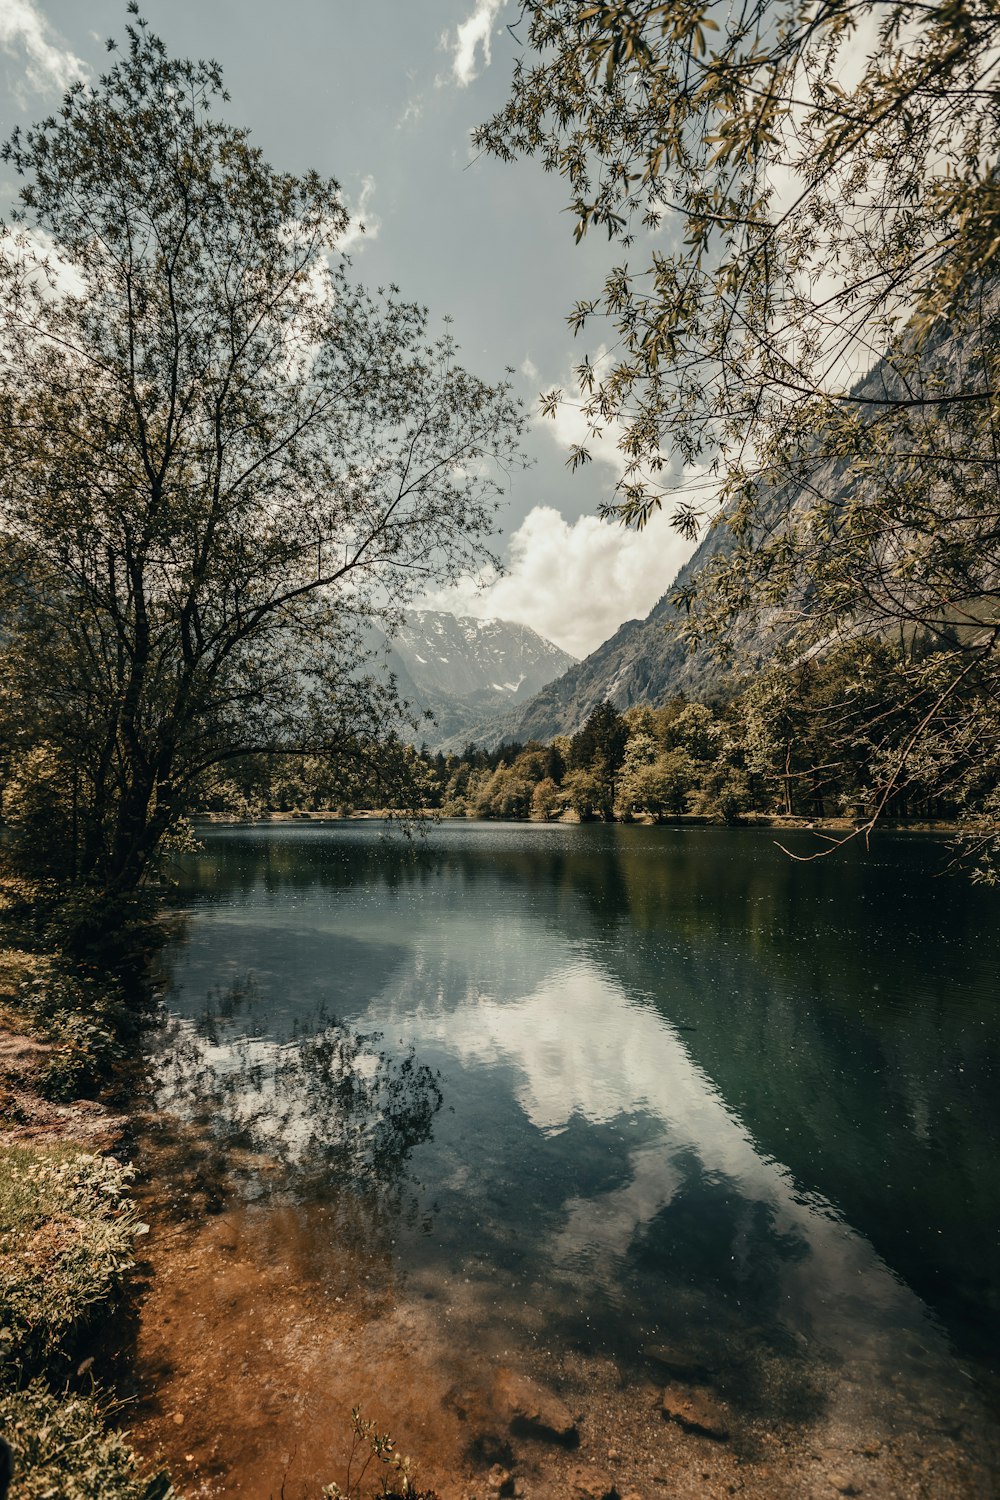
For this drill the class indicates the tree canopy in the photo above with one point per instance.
(220, 457)
(798, 181)
(805, 312)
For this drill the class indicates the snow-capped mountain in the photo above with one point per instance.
(466, 670)
(460, 655)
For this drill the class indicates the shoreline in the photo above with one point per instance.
(767, 821)
(221, 1279)
(71, 1269)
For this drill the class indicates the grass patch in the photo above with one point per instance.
(67, 1229)
(67, 1223)
(16, 968)
(74, 972)
(63, 1447)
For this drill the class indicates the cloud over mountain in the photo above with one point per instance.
(574, 582)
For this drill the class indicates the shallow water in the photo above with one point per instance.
(634, 1088)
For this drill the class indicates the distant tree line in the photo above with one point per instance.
(817, 738)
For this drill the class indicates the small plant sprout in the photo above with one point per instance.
(369, 1446)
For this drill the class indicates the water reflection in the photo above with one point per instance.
(695, 1093)
(637, 1208)
(330, 1104)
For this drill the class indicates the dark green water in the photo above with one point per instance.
(685, 1089)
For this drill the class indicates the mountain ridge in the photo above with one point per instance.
(465, 670)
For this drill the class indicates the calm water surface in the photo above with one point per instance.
(637, 1085)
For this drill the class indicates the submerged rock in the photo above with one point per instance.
(531, 1409)
(677, 1360)
(696, 1410)
(844, 1484)
(588, 1483)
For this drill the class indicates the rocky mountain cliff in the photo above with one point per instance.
(644, 662)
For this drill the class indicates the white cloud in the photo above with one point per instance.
(571, 428)
(24, 31)
(364, 224)
(36, 255)
(412, 112)
(472, 36)
(574, 584)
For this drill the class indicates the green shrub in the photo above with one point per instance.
(113, 932)
(83, 1017)
(37, 803)
(85, 1051)
(63, 1448)
(66, 1234)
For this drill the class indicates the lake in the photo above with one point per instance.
(619, 1107)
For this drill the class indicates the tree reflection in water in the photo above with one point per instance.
(330, 1105)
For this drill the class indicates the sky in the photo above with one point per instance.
(383, 95)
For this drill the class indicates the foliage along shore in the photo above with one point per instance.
(945, 826)
(766, 756)
(69, 1226)
(76, 1170)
